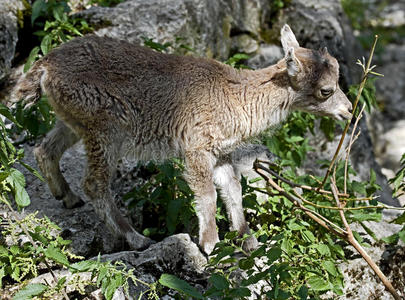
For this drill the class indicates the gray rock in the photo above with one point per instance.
(360, 280)
(8, 34)
(391, 88)
(176, 254)
(81, 225)
(267, 55)
(206, 25)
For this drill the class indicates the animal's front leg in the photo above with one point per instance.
(199, 175)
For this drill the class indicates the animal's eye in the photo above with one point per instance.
(326, 92)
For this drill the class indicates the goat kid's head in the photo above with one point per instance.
(314, 78)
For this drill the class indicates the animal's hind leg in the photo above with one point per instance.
(48, 155)
(230, 190)
(102, 155)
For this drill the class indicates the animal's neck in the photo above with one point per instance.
(265, 97)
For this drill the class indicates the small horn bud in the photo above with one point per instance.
(324, 51)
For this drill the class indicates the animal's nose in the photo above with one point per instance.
(350, 107)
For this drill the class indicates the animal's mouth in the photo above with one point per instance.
(343, 115)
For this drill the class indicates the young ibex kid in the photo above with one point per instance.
(123, 99)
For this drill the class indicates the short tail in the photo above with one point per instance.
(28, 88)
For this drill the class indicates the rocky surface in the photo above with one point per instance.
(176, 254)
(388, 125)
(230, 23)
(8, 35)
(360, 280)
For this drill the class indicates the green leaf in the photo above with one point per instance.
(56, 255)
(21, 196)
(303, 292)
(308, 236)
(246, 263)
(240, 293)
(273, 254)
(357, 215)
(179, 285)
(31, 58)
(30, 291)
(58, 13)
(327, 126)
(318, 283)
(32, 170)
(15, 274)
(358, 187)
(322, 249)
(369, 231)
(401, 234)
(330, 267)
(16, 177)
(294, 139)
(2, 274)
(37, 7)
(219, 281)
(392, 239)
(231, 235)
(46, 44)
(221, 253)
(5, 112)
(83, 266)
(17, 181)
(400, 219)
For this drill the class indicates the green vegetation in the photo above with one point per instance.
(365, 17)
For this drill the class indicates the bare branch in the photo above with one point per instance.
(350, 238)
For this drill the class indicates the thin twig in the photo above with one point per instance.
(293, 184)
(367, 71)
(350, 145)
(350, 238)
(310, 188)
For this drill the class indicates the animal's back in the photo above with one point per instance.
(97, 80)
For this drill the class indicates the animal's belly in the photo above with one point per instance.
(156, 150)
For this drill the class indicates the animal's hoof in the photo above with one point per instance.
(136, 241)
(70, 200)
(250, 244)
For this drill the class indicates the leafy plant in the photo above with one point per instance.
(177, 46)
(166, 199)
(20, 261)
(106, 3)
(237, 61)
(399, 179)
(55, 25)
(52, 25)
(36, 120)
(368, 95)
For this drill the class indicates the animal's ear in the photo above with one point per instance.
(288, 38)
(324, 51)
(293, 64)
